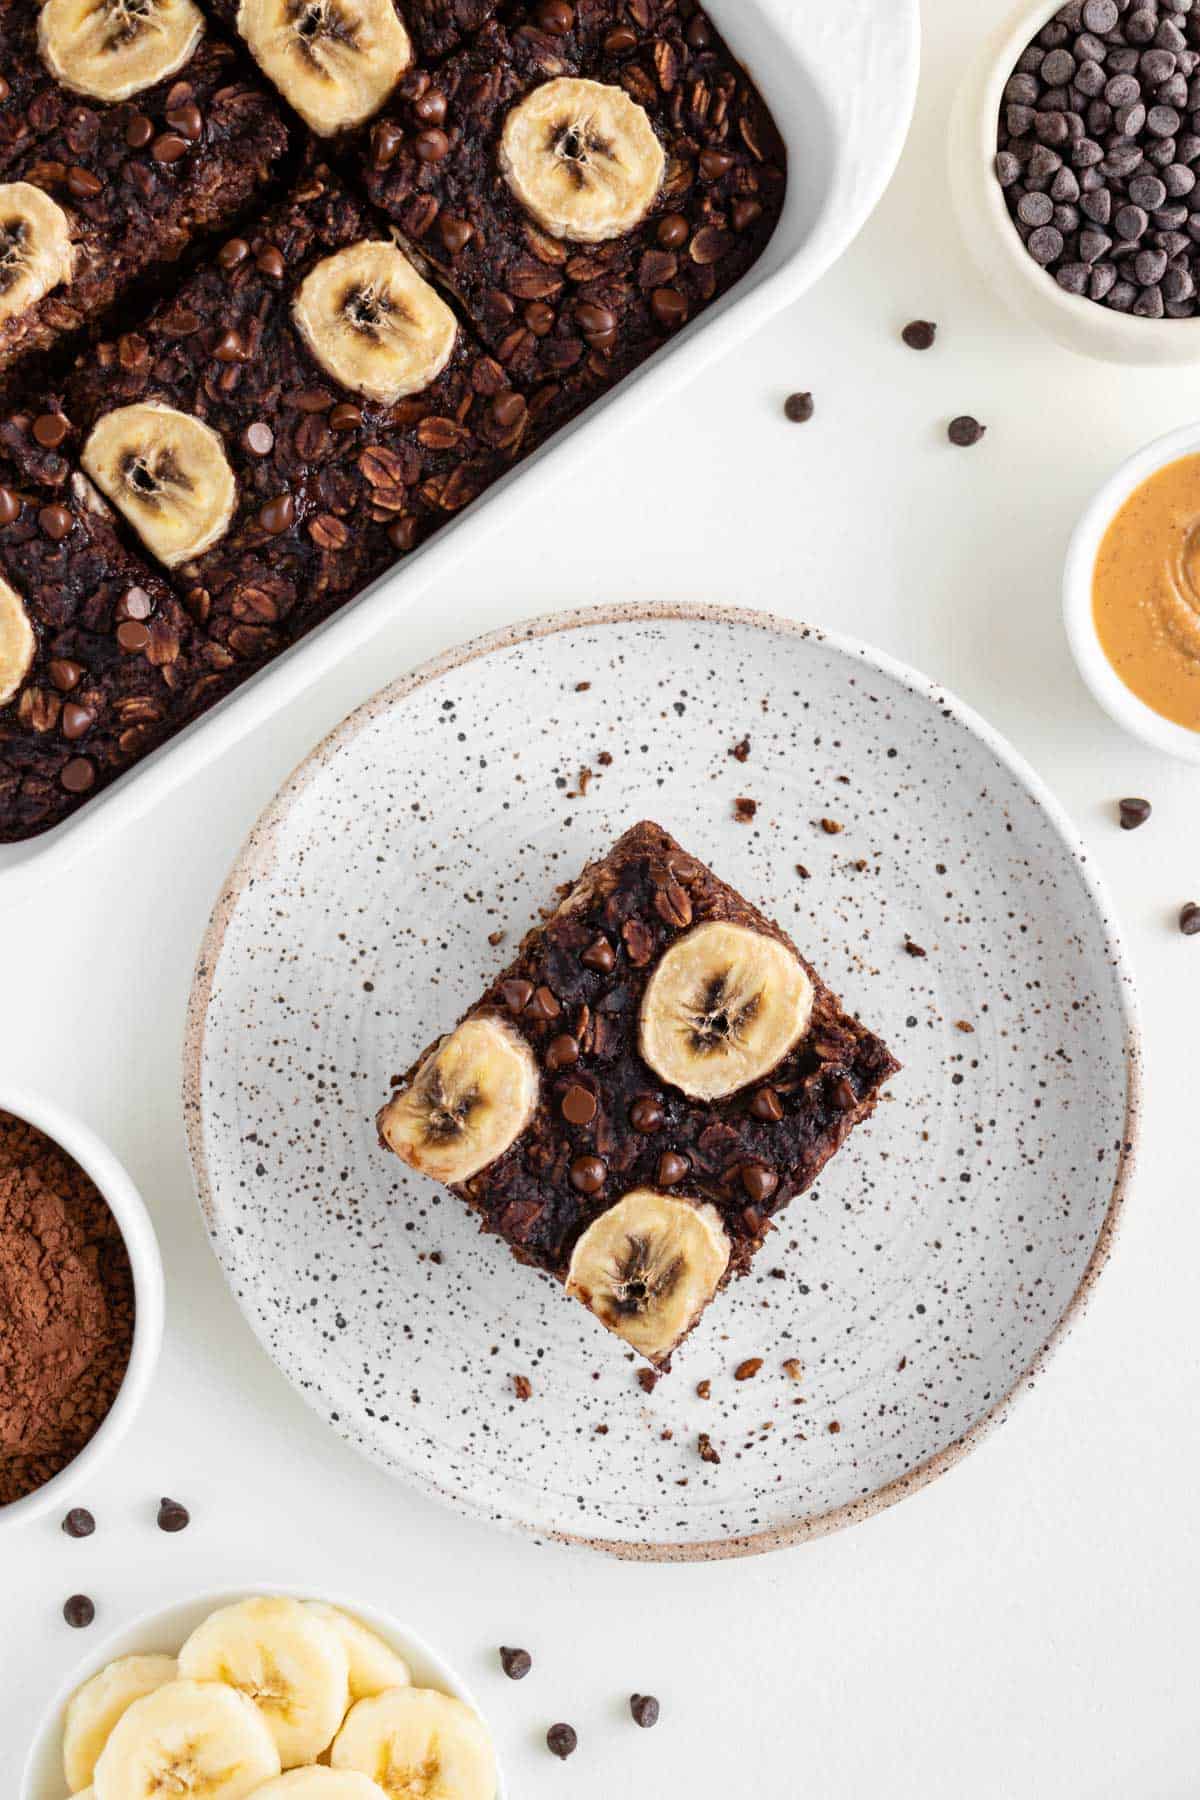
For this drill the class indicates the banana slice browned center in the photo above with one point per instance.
(168, 473)
(36, 252)
(468, 1101)
(649, 1266)
(723, 1006)
(373, 323)
(199, 1739)
(335, 60)
(583, 158)
(17, 642)
(418, 1744)
(111, 49)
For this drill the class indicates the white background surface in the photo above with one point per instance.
(1026, 1626)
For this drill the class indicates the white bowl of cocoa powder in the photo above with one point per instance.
(81, 1304)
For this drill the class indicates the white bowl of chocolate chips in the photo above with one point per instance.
(1075, 168)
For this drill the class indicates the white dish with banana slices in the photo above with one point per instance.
(288, 1696)
(842, 92)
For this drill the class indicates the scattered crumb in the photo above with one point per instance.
(777, 1274)
(802, 872)
(605, 759)
(648, 1379)
(902, 1365)
(581, 687)
(746, 1371)
(585, 781)
(666, 1434)
(708, 1451)
(914, 949)
(861, 865)
(435, 1256)
(704, 1389)
(793, 1368)
(496, 937)
(741, 751)
(744, 810)
(962, 1025)
(523, 1386)
(600, 1430)
(831, 827)
(833, 1426)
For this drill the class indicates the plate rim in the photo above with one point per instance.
(254, 861)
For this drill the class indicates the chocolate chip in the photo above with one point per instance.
(79, 1611)
(767, 1105)
(172, 1516)
(79, 1523)
(920, 334)
(233, 253)
(65, 675)
(844, 1096)
(671, 1168)
(562, 1052)
(50, 429)
(278, 515)
(507, 409)
(965, 431)
(430, 107)
(515, 1663)
(10, 506)
(78, 775)
(578, 1105)
(83, 185)
(1134, 813)
(431, 145)
(56, 522)
(799, 408)
(619, 39)
(588, 1174)
(517, 994)
(644, 1708)
(647, 1116)
(258, 438)
(187, 121)
(138, 131)
(673, 230)
(456, 234)
(1189, 919)
(135, 603)
(169, 147)
(270, 262)
(77, 721)
(669, 307)
(715, 163)
(345, 417)
(556, 17)
(228, 347)
(562, 1740)
(759, 1181)
(600, 956)
(132, 636)
(543, 1005)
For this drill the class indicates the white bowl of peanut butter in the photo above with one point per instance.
(1131, 594)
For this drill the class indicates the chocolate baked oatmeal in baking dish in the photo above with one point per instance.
(446, 227)
(650, 1081)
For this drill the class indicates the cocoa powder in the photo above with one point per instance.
(66, 1308)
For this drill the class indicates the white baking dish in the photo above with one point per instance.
(841, 81)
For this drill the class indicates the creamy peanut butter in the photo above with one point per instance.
(1146, 592)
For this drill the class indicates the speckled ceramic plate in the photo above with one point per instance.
(919, 1285)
